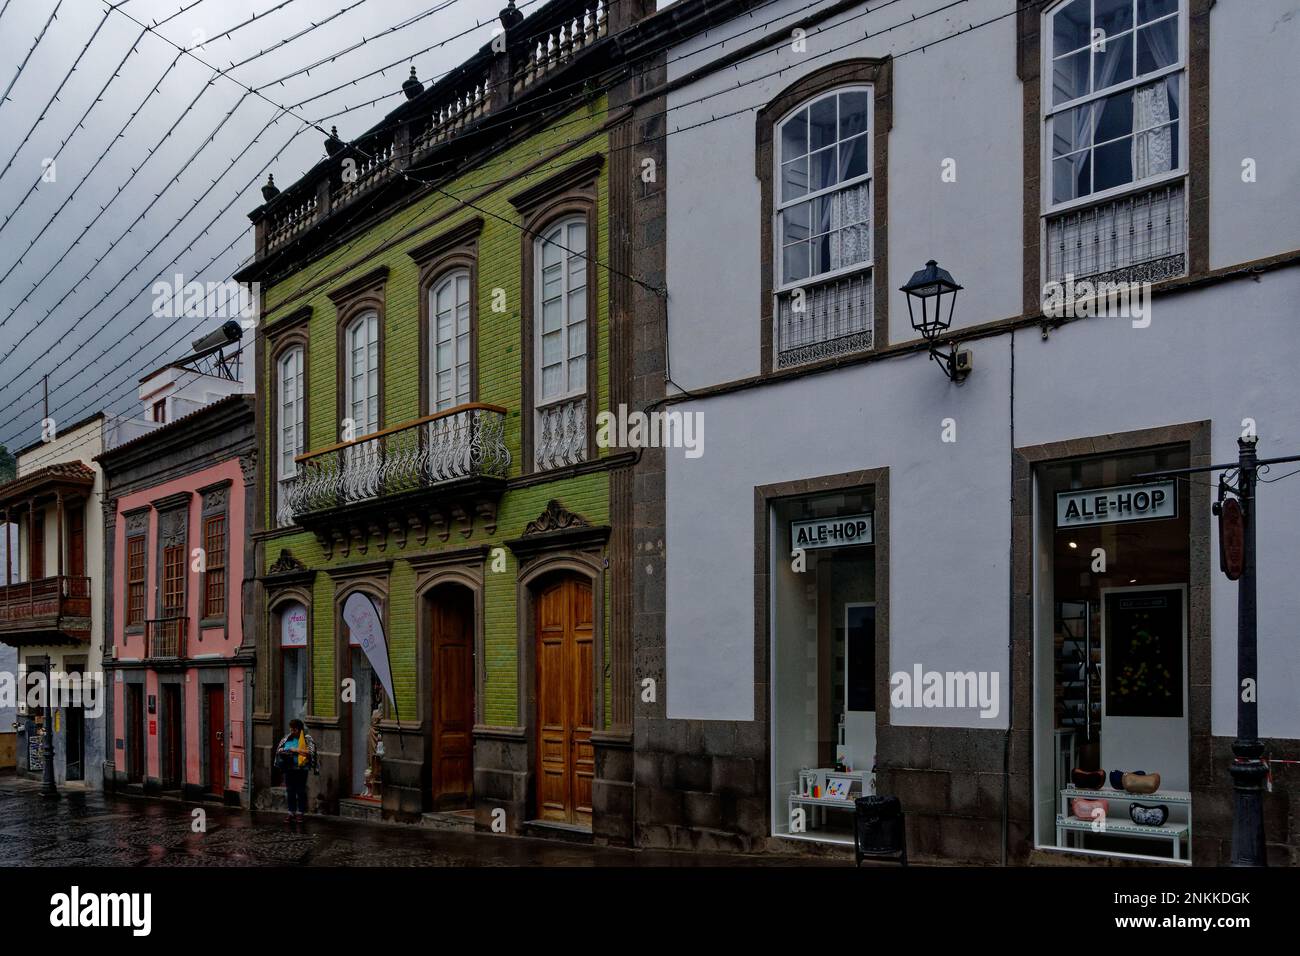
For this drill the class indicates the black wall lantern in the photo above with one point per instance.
(931, 297)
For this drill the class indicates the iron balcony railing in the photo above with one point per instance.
(164, 637)
(1141, 237)
(463, 442)
(561, 434)
(31, 602)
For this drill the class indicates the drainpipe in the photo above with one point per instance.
(1011, 630)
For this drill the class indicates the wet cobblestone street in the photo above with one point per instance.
(88, 829)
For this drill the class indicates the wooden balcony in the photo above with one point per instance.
(422, 476)
(52, 610)
(164, 638)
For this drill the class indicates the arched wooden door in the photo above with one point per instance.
(453, 697)
(565, 701)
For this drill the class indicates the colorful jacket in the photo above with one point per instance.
(283, 759)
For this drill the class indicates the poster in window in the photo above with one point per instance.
(1144, 654)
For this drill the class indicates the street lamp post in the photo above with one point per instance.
(1247, 770)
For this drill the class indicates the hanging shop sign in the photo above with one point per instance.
(837, 532)
(1158, 499)
(1232, 538)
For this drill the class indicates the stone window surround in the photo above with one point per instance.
(573, 191)
(350, 300)
(878, 74)
(178, 503)
(213, 505)
(456, 248)
(1196, 437)
(129, 518)
(1030, 18)
(875, 480)
(290, 332)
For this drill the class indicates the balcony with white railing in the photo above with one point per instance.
(561, 436)
(1141, 237)
(429, 467)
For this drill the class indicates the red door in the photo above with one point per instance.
(216, 739)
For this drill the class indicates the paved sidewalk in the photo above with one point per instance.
(91, 829)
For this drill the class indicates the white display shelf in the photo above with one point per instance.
(1177, 833)
(1171, 797)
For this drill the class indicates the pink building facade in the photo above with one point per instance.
(180, 646)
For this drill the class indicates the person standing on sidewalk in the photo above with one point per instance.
(296, 756)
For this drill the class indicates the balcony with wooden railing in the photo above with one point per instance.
(482, 91)
(421, 475)
(164, 638)
(47, 610)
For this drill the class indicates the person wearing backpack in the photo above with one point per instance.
(296, 757)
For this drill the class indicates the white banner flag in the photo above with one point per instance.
(362, 619)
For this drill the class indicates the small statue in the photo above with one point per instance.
(374, 753)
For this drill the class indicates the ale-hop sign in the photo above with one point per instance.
(1158, 499)
(837, 532)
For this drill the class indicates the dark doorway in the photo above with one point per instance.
(134, 733)
(172, 757)
(452, 615)
(215, 707)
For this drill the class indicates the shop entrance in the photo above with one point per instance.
(452, 704)
(1111, 662)
(364, 719)
(565, 700)
(823, 654)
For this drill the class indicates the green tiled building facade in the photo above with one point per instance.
(448, 302)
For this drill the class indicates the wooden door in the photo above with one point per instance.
(453, 697)
(134, 734)
(216, 708)
(565, 702)
(76, 519)
(171, 697)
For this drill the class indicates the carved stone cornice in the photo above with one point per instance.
(558, 529)
(555, 517)
(286, 563)
(248, 467)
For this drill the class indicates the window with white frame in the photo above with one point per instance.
(823, 227)
(291, 437)
(560, 343)
(449, 305)
(361, 342)
(1114, 89)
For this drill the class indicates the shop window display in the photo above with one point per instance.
(1112, 725)
(823, 635)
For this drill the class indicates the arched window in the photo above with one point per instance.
(450, 341)
(1114, 85)
(560, 333)
(293, 662)
(361, 396)
(822, 203)
(290, 391)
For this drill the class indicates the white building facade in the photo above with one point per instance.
(51, 603)
(958, 596)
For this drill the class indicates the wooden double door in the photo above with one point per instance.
(566, 700)
(453, 697)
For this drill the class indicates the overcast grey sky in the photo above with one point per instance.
(62, 325)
